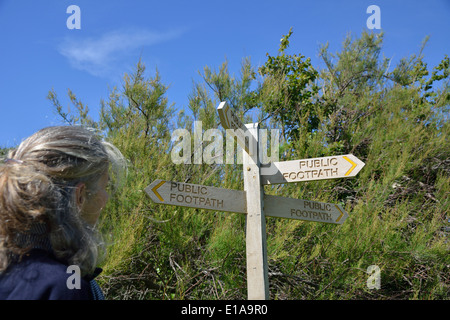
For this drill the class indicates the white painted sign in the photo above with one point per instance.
(237, 128)
(228, 200)
(314, 169)
(197, 196)
(280, 207)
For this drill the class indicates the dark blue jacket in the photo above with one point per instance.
(39, 276)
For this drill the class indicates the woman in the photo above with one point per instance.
(52, 190)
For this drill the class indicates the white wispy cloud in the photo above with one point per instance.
(100, 55)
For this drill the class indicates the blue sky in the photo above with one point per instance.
(38, 52)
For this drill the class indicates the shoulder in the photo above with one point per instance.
(40, 277)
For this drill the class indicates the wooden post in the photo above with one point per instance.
(252, 200)
(257, 270)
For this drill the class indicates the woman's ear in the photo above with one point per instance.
(80, 194)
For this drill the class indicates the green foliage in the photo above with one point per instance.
(289, 89)
(4, 152)
(395, 121)
(82, 117)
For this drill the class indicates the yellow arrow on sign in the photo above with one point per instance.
(352, 163)
(156, 188)
(224, 117)
(342, 214)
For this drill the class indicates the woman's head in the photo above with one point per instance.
(56, 177)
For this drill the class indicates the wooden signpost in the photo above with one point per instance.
(253, 202)
(315, 169)
(275, 206)
(197, 196)
(219, 199)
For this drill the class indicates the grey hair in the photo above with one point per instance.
(39, 188)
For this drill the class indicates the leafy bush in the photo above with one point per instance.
(395, 121)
